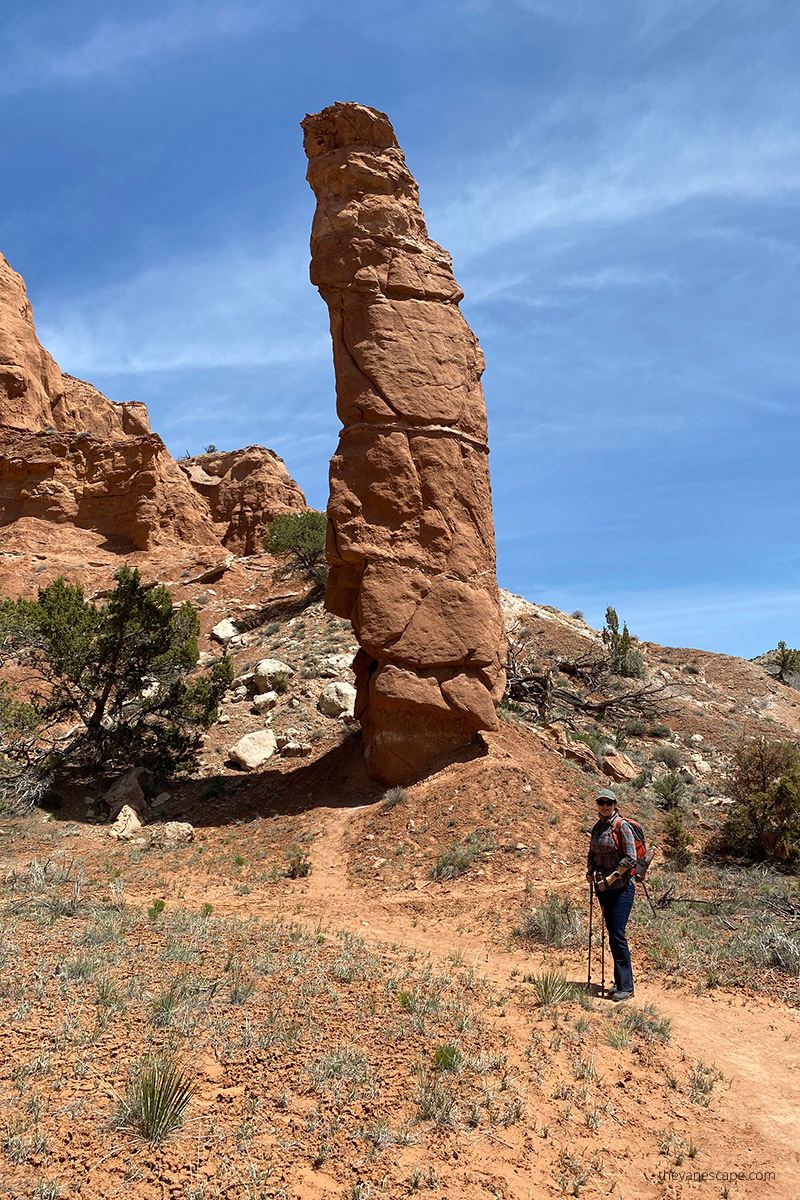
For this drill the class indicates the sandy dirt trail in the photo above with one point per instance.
(755, 1044)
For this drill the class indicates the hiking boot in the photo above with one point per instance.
(618, 995)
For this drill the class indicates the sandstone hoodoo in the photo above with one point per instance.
(410, 532)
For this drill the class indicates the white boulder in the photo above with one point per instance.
(265, 701)
(170, 835)
(337, 699)
(224, 631)
(253, 750)
(126, 826)
(266, 671)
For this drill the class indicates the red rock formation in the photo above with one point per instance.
(244, 490)
(68, 455)
(124, 488)
(411, 539)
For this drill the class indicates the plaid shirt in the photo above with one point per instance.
(604, 854)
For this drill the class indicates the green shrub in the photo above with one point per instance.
(448, 1058)
(659, 731)
(636, 727)
(116, 673)
(624, 660)
(557, 922)
(766, 825)
(671, 789)
(156, 1098)
(786, 662)
(299, 865)
(280, 682)
(301, 537)
(758, 763)
(670, 756)
(677, 840)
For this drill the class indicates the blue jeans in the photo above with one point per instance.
(616, 905)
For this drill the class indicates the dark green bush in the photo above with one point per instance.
(659, 731)
(765, 826)
(624, 660)
(670, 788)
(300, 536)
(758, 763)
(677, 840)
(115, 674)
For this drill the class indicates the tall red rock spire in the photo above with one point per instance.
(411, 538)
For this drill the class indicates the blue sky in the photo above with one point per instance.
(617, 183)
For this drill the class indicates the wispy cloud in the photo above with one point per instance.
(615, 277)
(641, 155)
(237, 306)
(107, 48)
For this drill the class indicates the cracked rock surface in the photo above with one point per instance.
(410, 531)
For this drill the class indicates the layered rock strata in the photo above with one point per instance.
(411, 538)
(68, 455)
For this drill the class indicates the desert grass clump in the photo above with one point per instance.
(299, 864)
(557, 923)
(156, 1098)
(670, 756)
(646, 1021)
(460, 857)
(393, 797)
(551, 987)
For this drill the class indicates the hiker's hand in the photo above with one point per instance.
(589, 876)
(602, 883)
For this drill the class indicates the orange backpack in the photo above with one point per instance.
(643, 856)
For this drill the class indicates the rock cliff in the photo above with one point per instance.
(68, 455)
(411, 537)
(244, 490)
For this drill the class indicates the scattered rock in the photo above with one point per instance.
(126, 790)
(289, 735)
(333, 666)
(618, 766)
(171, 835)
(253, 750)
(265, 701)
(296, 749)
(265, 672)
(160, 800)
(224, 631)
(336, 699)
(126, 826)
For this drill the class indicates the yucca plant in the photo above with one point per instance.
(156, 1098)
(551, 987)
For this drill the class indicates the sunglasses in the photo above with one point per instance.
(605, 803)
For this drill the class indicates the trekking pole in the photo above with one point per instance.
(602, 953)
(649, 901)
(591, 906)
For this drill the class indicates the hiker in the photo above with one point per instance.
(609, 866)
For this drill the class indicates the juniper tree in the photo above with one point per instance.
(103, 683)
(300, 536)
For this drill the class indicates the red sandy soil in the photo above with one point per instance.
(551, 1107)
